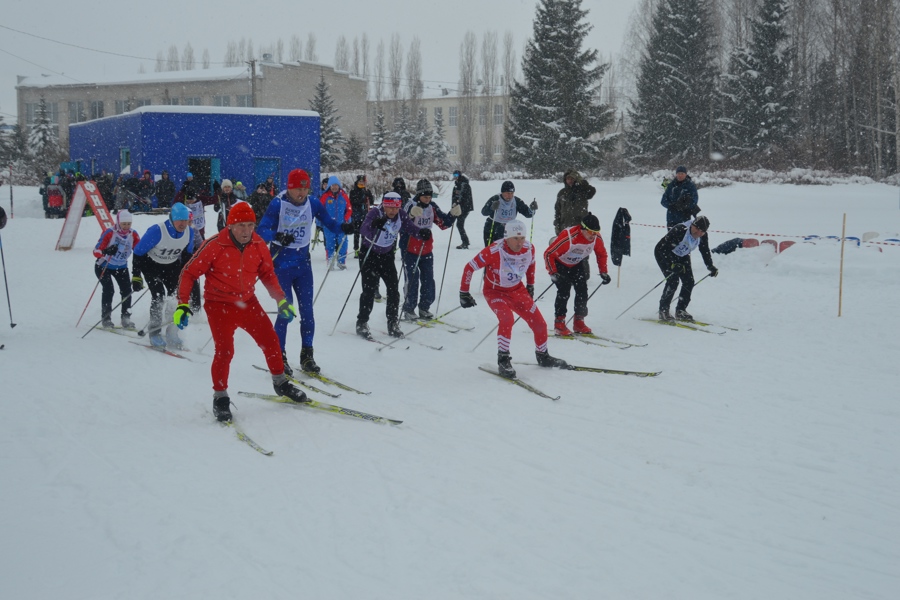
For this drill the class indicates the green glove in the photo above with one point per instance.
(286, 311)
(180, 318)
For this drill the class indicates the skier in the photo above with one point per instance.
(158, 257)
(462, 197)
(232, 261)
(507, 262)
(112, 251)
(337, 205)
(501, 209)
(680, 198)
(563, 259)
(418, 261)
(673, 255)
(288, 223)
(379, 232)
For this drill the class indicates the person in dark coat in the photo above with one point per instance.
(164, 191)
(673, 255)
(225, 199)
(259, 201)
(462, 196)
(680, 198)
(399, 186)
(572, 201)
(361, 200)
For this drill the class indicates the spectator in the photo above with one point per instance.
(680, 198)
(462, 196)
(164, 190)
(572, 201)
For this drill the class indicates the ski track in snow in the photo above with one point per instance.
(760, 464)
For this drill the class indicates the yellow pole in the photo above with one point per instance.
(841, 280)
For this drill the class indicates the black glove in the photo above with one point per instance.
(495, 205)
(285, 239)
(379, 222)
(530, 289)
(677, 268)
(137, 284)
(605, 277)
(466, 300)
(533, 205)
(347, 228)
(713, 271)
(424, 234)
(111, 249)
(554, 278)
(695, 210)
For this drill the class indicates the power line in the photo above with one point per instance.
(39, 66)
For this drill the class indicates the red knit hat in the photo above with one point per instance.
(298, 178)
(241, 212)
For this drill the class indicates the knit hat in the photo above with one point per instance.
(423, 188)
(681, 169)
(391, 199)
(238, 185)
(333, 180)
(591, 223)
(298, 178)
(189, 174)
(515, 229)
(507, 187)
(456, 173)
(179, 212)
(241, 212)
(702, 223)
(227, 183)
(398, 183)
(124, 217)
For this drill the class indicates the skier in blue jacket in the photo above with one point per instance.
(289, 224)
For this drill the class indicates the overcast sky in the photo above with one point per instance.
(116, 27)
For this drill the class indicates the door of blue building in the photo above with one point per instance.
(263, 168)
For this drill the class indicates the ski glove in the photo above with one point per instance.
(415, 212)
(677, 268)
(495, 205)
(466, 300)
(605, 277)
(424, 234)
(530, 290)
(111, 250)
(286, 311)
(713, 271)
(137, 284)
(347, 228)
(533, 205)
(180, 318)
(285, 239)
(379, 222)
(455, 211)
(554, 277)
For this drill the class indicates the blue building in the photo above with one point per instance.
(211, 142)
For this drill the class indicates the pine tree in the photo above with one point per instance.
(439, 147)
(759, 98)
(420, 135)
(381, 158)
(43, 145)
(403, 139)
(671, 120)
(353, 152)
(330, 138)
(555, 121)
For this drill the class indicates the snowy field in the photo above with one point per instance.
(762, 463)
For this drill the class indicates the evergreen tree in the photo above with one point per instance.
(403, 138)
(439, 147)
(381, 158)
(420, 135)
(759, 98)
(555, 121)
(353, 152)
(330, 138)
(671, 119)
(43, 145)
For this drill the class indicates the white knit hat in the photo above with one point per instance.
(226, 183)
(515, 229)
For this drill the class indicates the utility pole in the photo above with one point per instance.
(252, 63)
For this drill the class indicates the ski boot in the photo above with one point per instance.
(307, 363)
(462, 247)
(504, 365)
(683, 315)
(107, 320)
(394, 330)
(287, 367)
(426, 315)
(545, 360)
(581, 327)
(559, 327)
(288, 390)
(157, 340)
(172, 339)
(378, 297)
(127, 323)
(408, 316)
(665, 316)
(362, 330)
(222, 408)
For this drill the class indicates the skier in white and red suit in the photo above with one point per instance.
(563, 259)
(507, 263)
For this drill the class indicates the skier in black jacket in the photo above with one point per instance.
(673, 255)
(462, 195)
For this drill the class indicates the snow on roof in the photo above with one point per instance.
(210, 110)
(141, 78)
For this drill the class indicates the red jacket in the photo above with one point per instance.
(231, 274)
(514, 270)
(571, 247)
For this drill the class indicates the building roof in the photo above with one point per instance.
(209, 110)
(222, 73)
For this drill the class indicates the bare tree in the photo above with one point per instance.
(249, 54)
(509, 73)
(279, 50)
(232, 55)
(364, 54)
(188, 62)
(356, 68)
(296, 49)
(379, 72)
(160, 65)
(341, 54)
(489, 91)
(395, 66)
(467, 90)
(414, 74)
(173, 60)
(241, 51)
(205, 59)
(310, 52)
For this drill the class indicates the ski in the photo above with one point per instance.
(161, 350)
(303, 383)
(246, 438)
(594, 336)
(119, 331)
(328, 380)
(683, 325)
(409, 339)
(456, 327)
(702, 324)
(602, 370)
(584, 340)
(519, 383)
(340, 410)
(432, 324)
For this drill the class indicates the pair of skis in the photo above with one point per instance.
(598, 340)
(693, 325)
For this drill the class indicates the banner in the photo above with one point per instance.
(86, 193)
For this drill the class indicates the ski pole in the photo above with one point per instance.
(115, 307)
(6, 283)
(645, 295)
(446, 258)
(701, 279)
(102, 273)
(355, 279)
(327, 271)
(514, 322)
(531, 235)
(588, 300)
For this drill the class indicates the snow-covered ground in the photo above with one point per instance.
(762, 463)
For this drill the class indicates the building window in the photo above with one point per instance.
(97, 109)
(245, 100)
(76, 112)
(122, 106)
(452, 150)
(482, 116)
(452, 122)
(192, 101)
(498, 149)
(221, 100)
(498, 114)
(171, 101)
(142, 102)
(438, 115)
(33, 108)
